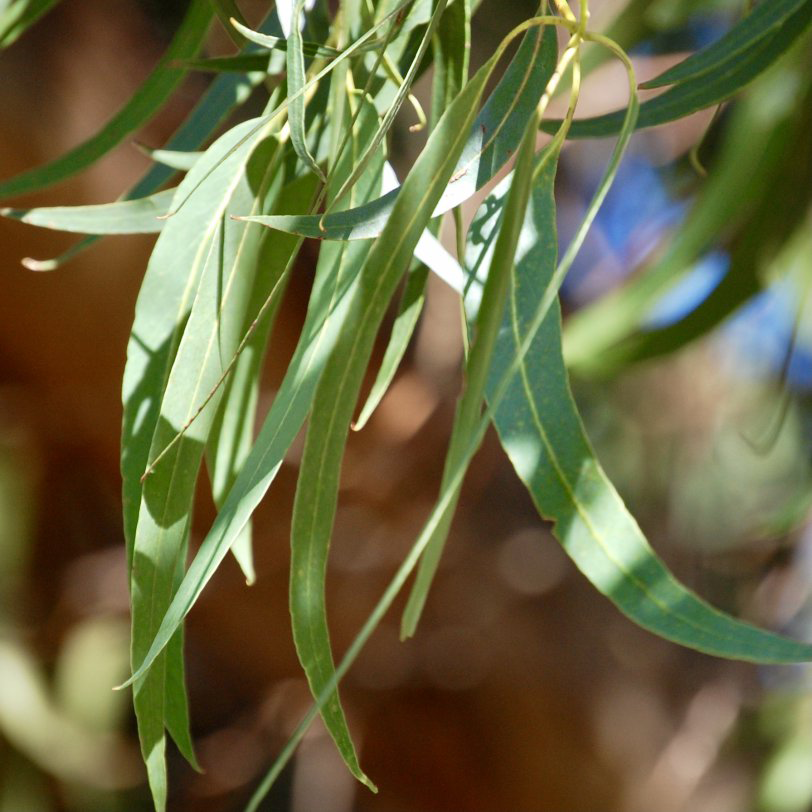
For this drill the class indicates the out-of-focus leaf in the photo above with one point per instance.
(121, 217)
(757, 25)
(493, 138)
(758, 134)
(281, 44)
(143, 105)
(691, 95)
(240, 63)
(19, 16)
(202, 260)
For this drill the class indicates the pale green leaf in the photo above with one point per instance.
(494, 137)
(19, 16)
(196, 244)
(121, 217)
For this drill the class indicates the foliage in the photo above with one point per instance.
(314, 164)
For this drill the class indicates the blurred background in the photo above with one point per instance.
(524, 689)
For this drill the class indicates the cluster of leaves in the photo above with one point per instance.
(314, 165)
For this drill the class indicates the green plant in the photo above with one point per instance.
(313, 166)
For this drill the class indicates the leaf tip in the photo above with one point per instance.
(39, 265)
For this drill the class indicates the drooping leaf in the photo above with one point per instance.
(296, 96)
(451, 49)
(281, 44)
(757, 25)
(19, 16)
(143, 105)
(232, 434)
(199, 247)
(493, 138)
(541, 432)
(319, 336)
(308, 562)
(508, 227)
(706, 90)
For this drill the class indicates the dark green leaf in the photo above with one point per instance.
(143, 105)
(757, 25)
(704, 91)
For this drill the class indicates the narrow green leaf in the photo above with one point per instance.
(156, 520)
(296, 85)
(121, 217)
(320, 335)
(494, 137)
(308, 559)
(757, 25)
(19, 16)
(143, 105)
(226, 93)
(508, 226)
(704, 91)
(232, 434)
(409, 310)
(451, 47)
(542, 434)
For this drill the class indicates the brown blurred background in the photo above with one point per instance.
(524, 690)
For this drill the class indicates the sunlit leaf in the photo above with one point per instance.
(505, 233)
(19, 16)
(181, 310)
(542, 434)
(493, 138)
(121, 217)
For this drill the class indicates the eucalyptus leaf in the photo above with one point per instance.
(179, 311)
(19, 16)
(121, 217)
(539, 427)
(757, 25)
(493, 138)
(705, 90)
(143, 105)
